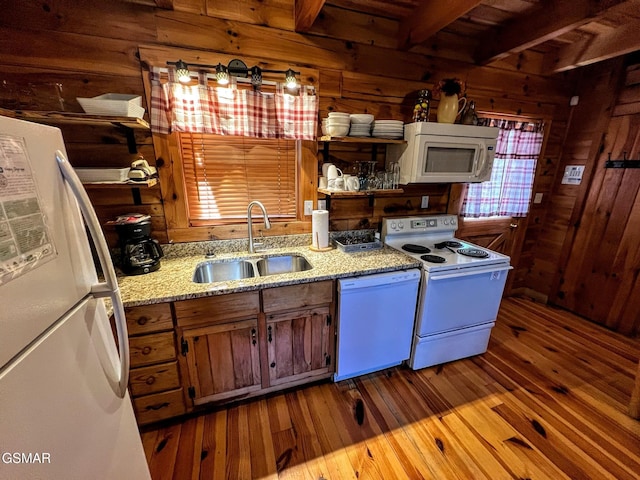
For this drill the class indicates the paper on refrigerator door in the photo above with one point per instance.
(25, 239)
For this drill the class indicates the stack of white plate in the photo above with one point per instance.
(388, 129)
(338, 124)
(360, 125)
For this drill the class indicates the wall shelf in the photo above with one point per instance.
(129, 184)
(364, 193)
(126, 124)
(371, 194)
(373, 141)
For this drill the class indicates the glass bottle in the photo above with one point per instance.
(421, 108)
(470, 116)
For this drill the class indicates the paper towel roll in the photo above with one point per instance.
(320, 228)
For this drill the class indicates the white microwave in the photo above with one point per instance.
(444, 153)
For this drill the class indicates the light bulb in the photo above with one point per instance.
(290, 79)
(182, 71)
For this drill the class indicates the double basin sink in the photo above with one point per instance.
(226, 270)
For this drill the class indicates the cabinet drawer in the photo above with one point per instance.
(150, 349)
(297, 296)
(149, 318)
(159, 406)
(218, 309)
(156, 378)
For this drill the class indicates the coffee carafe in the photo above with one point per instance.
(139, 253)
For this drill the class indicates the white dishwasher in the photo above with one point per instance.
(375, 322)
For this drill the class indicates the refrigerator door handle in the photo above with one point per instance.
(109, 288)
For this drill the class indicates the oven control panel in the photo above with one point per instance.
(432, 223)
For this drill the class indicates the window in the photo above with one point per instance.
(223, 174)
(508, 193)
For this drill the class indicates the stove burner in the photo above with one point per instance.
(448, 243)
(410, 247)
(473, 252)
(433, 258)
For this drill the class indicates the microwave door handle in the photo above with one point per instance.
(109, 288)
(481, 164)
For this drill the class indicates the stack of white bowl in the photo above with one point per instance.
(388, 129)
(338, 124)
(360, 125)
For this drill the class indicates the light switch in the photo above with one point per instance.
(308, 207)
(322, 204)
(538, 198)
(425, 201)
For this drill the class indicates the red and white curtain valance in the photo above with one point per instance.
(230, 110)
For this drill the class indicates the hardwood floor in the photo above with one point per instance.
(548, 400)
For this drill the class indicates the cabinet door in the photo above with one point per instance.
(299, 345)
(223, 361)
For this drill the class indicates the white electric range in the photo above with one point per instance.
(460, 291)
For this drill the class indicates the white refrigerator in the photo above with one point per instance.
(65, 412)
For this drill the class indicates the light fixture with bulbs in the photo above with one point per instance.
(235, 68)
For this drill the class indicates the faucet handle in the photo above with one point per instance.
(210, 253)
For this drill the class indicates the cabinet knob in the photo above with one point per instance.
(146, 350)
(142, 321)
(273, 364)
(150, 380)
(253, 336)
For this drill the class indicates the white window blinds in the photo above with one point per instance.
(223, 174)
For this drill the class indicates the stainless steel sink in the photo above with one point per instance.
(282, 264)
(208, 272)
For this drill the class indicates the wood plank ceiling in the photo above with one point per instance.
(568, 34)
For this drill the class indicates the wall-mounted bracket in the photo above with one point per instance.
(623, 163)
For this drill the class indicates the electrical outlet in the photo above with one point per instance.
(425, 201)
(537, 198)
(322, 204)
(308, 207)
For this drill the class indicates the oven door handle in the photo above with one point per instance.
(470, 271)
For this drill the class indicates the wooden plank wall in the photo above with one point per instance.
(599, 278)
(92, 48)
(552, 224)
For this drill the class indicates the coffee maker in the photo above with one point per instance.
(139, 253)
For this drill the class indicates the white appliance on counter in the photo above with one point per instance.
(65, 412)
(444, 153)
(375, 322)
(461, 290)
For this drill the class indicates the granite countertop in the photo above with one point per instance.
(173, 280)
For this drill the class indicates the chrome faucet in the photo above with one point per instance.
(267, 223)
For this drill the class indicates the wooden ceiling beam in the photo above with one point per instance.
(306, 13)
(539, 26)
(166, 4)
(619, 41)
(429, 18)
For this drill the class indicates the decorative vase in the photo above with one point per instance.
(449, 108)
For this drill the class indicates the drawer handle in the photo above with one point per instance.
(269, 332)
(157, 407)
(253, 336)
(146, 350)
(150, 380)
(142, 321)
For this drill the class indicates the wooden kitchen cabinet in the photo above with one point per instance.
(223, 361)
(154, 379)
(300, 333)
(220, 352)
(245, 344)
(299, 345)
